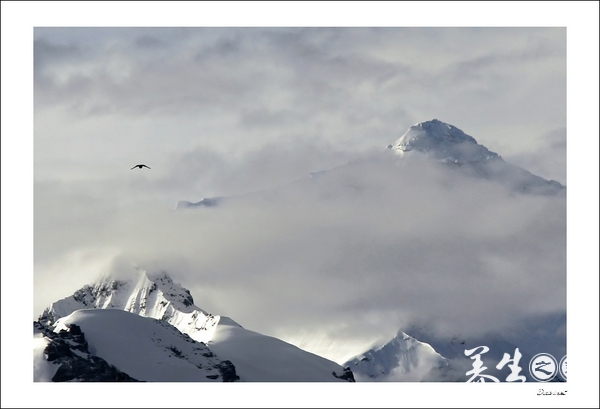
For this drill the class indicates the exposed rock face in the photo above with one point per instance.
(206, 202)
(69, 350)
(228, 371)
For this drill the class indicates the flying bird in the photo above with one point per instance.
(140, 166)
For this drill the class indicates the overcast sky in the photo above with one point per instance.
(224, 111)
(306, 97)
(218, 111)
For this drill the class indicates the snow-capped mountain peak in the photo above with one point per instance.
(450, 146)
(153, 295)
(444, 141)
(255, 357)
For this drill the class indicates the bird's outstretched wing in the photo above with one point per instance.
(147, 166)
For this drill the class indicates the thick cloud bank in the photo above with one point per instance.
(346, 256)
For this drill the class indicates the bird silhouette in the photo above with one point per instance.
(140, 166)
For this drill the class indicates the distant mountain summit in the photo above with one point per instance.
(449, 145)
(443, 141)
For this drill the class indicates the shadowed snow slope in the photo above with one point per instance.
(144, 349)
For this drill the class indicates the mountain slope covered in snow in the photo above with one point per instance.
(123, 301)
(125, 347)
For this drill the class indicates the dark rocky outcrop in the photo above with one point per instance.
(69, 349)
(227, 371)
(347, 375)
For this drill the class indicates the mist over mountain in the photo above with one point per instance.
(427, 356)
(435, 231)
(446, 145)
(452, 146)
(436, 222)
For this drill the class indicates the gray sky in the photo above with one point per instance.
(226, 111)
